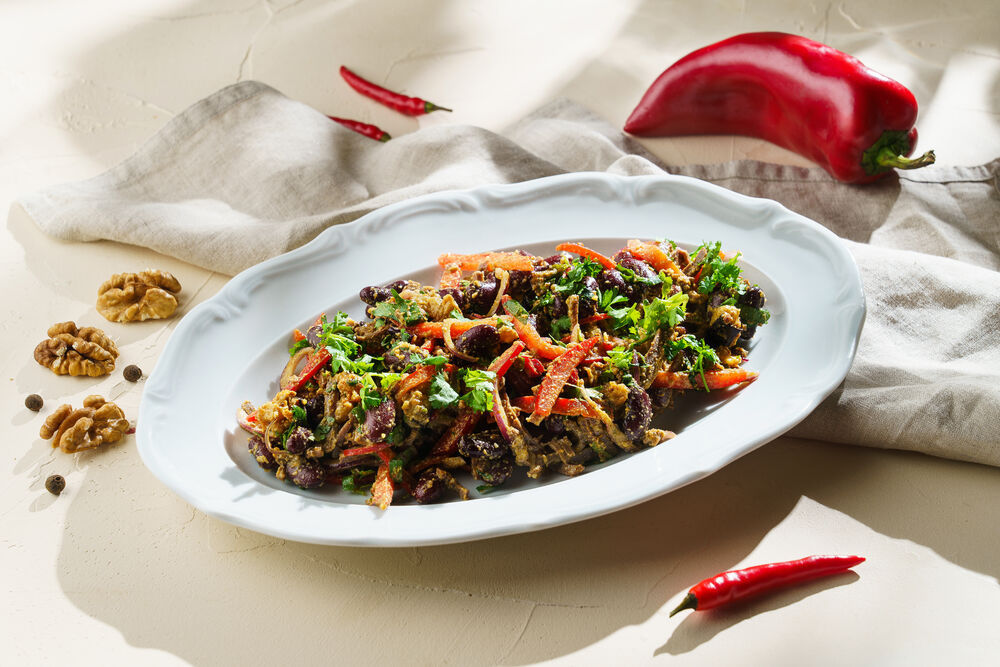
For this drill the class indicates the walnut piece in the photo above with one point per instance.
(130, 297)
(97, 423)
(72, 351)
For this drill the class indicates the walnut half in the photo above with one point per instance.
(72, 351)
(130, 297)
(98, 422)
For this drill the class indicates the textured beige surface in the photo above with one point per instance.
(119, 571)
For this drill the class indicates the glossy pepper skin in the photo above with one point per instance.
(792, 91)
(738, 584)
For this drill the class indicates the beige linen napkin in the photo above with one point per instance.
(247, 174)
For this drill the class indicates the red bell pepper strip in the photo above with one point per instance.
(653, 254)
(596, 317)
(506, 358)
(314, 363)
(458, 327)
(377, 448)
(382, 487)
(584, 251)
(570, 407)
(297, 336)
(420, 376)
(371, 131)
(792, 91)
(719, 379)
(527, 333)
(511, 261)
(559, 371)
(411, 106)
(738, 584)
(533, 367)
(464, 423)
(452, 277)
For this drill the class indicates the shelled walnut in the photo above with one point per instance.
(72, 351)
(98, 422)
(130, 297)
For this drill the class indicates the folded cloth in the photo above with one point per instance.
(247, 174)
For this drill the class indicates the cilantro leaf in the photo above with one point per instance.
(750, 315)
(660, 314)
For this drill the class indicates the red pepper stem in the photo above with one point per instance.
(430, 106)
(889, 159)
(689, 602)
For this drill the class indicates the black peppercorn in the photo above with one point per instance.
(34, 402)
(55, 484)
(132, 373)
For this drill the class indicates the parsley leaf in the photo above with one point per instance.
(750, 315)
(621, 358)
(298, 345)
(369, 393)
(299, 413)
(660, 314)
(441, 393)
(699, 354)
(719, 275)
(479, 384)
(399, 310)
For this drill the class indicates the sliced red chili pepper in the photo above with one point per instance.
(570, 407)
(556, 377)
(719, 379)
(511, 261)
(314, 363)
(367, 449)
(793, 91)
(527, 333)
(367, 129)
(738, 584)
(464, 422)
(411, 106)
(584, 251)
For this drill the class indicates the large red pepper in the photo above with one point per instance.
(805, 96)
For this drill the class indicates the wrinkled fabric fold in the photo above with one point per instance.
(247, 174)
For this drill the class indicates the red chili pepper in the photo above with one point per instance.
(795, 92)
(738, 584)
(367, 129)
(411, 106)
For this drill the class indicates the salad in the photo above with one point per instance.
(512, 362)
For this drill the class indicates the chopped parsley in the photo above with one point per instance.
(442, 394)
(399, 311)
(718, 274)
(479, 384)
(697, 355)
(660, 314)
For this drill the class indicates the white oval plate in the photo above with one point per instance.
(232, 347)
